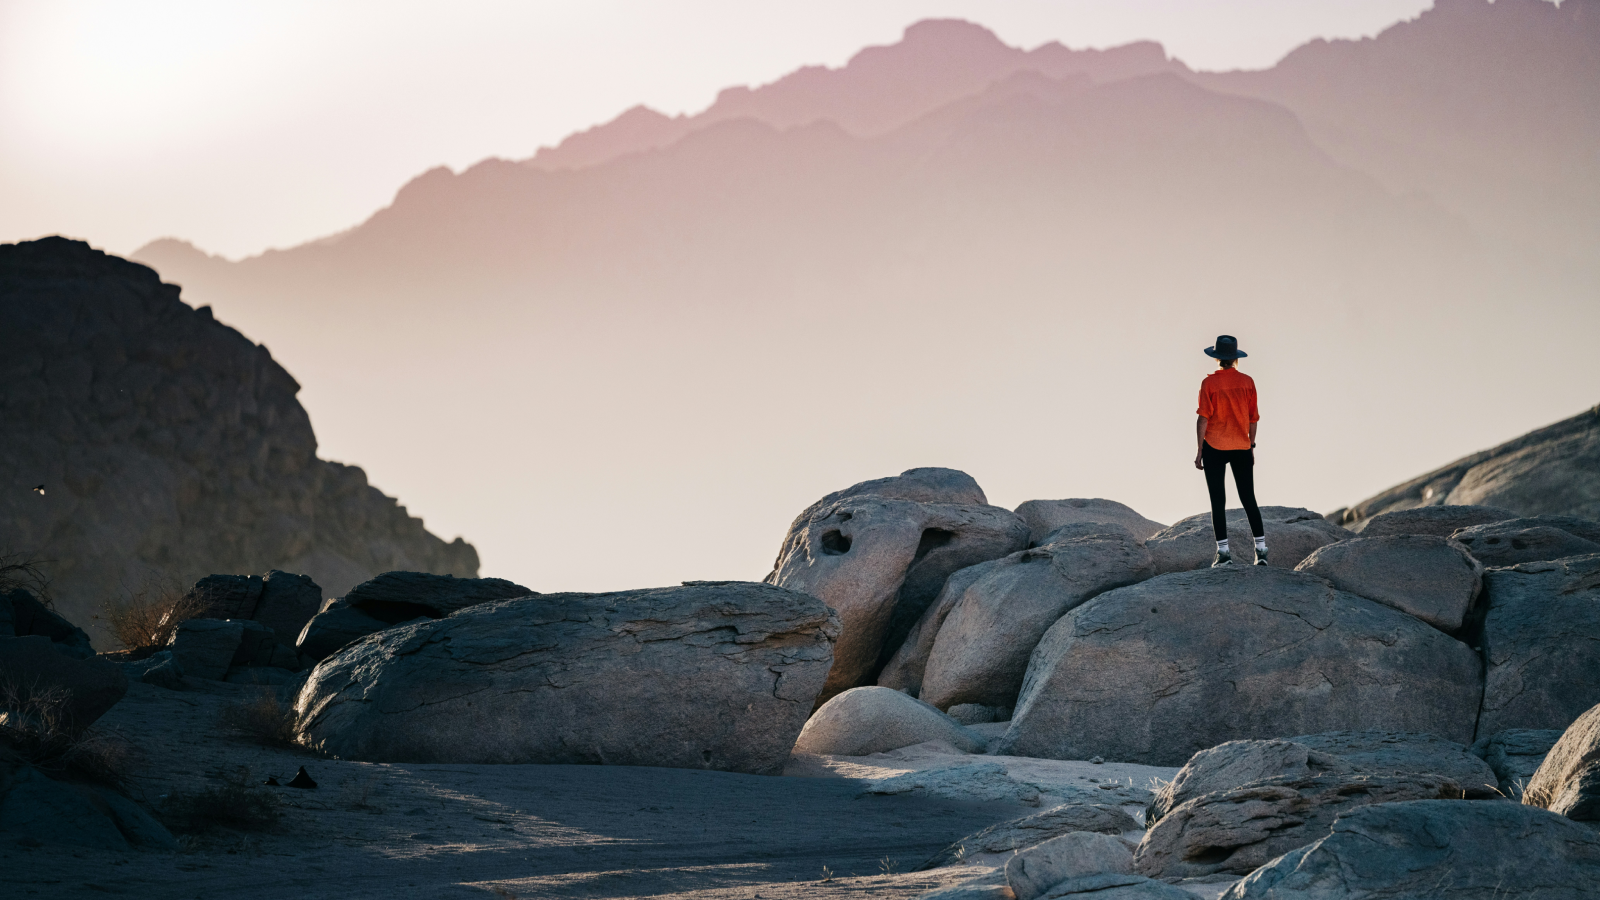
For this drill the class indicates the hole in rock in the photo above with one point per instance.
(834, 543)
(1519, 544)
(1492, 541)
(932, 539)
(1209, 856)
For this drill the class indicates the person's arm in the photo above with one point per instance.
(1253, 434)
(1200, 438)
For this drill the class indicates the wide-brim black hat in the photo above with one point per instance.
(1227, 347)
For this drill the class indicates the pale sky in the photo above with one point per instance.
(243, 126)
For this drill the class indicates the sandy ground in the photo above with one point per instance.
(376, 830)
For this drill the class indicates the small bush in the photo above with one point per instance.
(34, 729)
(231, 803)
(146, 618)
(24, 573)
(264, 718)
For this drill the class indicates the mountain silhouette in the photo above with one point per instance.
(1004, 269)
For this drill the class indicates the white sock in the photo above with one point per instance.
(1222, 546)
(1261, 542)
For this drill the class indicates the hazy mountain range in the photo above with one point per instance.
(954, 252)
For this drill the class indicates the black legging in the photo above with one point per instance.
(1243, 462)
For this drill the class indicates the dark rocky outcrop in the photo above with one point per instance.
(80, 690)
(645, 678)
(1541, 643)
(1568, 781)
(1292, 535)
(278, 600)
(212, 648)
(1531, 539)
(986, 622)
(1554, 470)
(169, 444)
(1239, 830)
(1464, 849)
(24, 615)
(1156, 672)
(1431, 578)
(76, 815)
(881, 561)
(394, 598)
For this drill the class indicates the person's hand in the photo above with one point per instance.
(1197, 463)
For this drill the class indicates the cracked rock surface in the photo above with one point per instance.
(710, 675)
(1292, 534)
(1568, 781)
(1158, 671)
(1433, 578)
(1541, 641)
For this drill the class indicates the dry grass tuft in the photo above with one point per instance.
(264, 718)
(34, 729)
(146, 618)
(234, 802)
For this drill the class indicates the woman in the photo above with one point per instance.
(1226, 434)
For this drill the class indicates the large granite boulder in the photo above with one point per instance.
(171, 446)
(1035, 871)
(1430, 577)
(1531, 539)
(78, 691)
(1465, 849)
(1439, 521)
(1240, 830)
(24, 615)
(209, 648)
(1155, 672)
(981, 650)
(393, 598)
(1541, 644)
(881, 563)
(710, 675)
(1235, 764)
(1515, 754)
(1019, 834)
(1568, 781)
(1553, 470)
(872, 719)
(1045, 516)
(1292, 535)
(282, 601)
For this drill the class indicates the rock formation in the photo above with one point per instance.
(1568, 781)
(872, 719)
(711, 675)
(1156, 672)
(1433, 578)
(169, 445)
(1531, 539)
(1292, 534)
(393, 598)
(1028, 831)
(1045, 516)
(1554, 470)
(1439, 521)
(1541, 644)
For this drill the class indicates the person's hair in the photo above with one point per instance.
(1228, 363)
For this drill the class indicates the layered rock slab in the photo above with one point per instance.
(393, 598)
(1045, 516)
(1531, 539)
(1568, 781)
(1292, 535)
(1156, 672)
(1432, 578)
(1036, 870)
(1439, 521)
(873, 719)
(1018, 834)
(1541, 643)
(710, 675)
(881, 563)
(987, 625)
(1458, 848)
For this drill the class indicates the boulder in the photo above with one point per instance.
(1568, 781)
(24, 615)
(1439, 521)
(1401, 753)
(1045, 516)
(79, 691)
(1430, 577)
(983, 782)
(978, 714)
(288, 602)
(905, 668)
(1117, 887)
(77, 815)
(981, 651)
(710, 675)
(881, 563)
(1238, 831)
(225, 596)
(1541, 643)
(1464, 849)
(1155, 672)
(1235, 764)
(1533, 539)
(208, 648)
(1019, 834)
(394, 598)
(1292, 534)
(1515, 754)
(165, 672)
(868, 720)
(1034, 871)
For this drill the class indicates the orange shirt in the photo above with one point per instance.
(1228, 401)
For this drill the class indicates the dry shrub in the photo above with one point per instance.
(34, 729)
(264, 718)
(146, 618)
(24, 573)
(234, 802)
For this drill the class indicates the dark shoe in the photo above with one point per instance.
(1261, 557)
(1223, 559)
